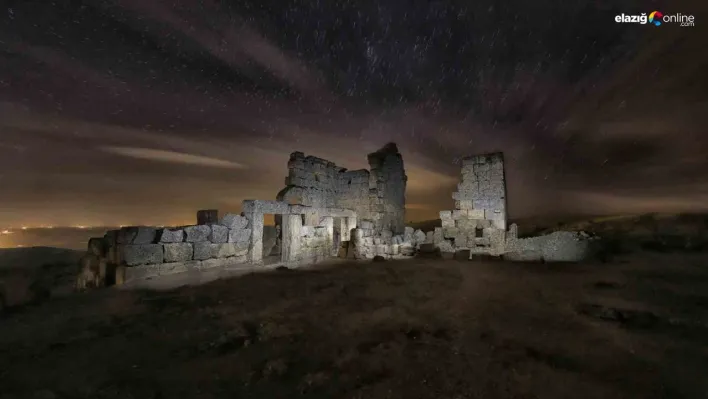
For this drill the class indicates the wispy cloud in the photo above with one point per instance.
(234, 41)
(172, 157)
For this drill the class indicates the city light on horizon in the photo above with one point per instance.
(88, 226)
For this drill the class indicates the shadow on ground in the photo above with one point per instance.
(425, 328)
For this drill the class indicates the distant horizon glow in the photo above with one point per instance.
(269, 218)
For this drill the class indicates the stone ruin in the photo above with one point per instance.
(326, 211)
(478, 222)
(377, 195)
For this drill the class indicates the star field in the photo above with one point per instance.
(130, 111)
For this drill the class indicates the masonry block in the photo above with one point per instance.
(475, 213)
(178, 252)
(141, 254)
(224, 250)
(199, 233)
(240, 236)
(170, 235)
(144, 235)
(450, 232)
(458, 214)
(203, 250)
(219, 234)
(126, 235)
(466, 224)
(234, 221)
(464, 204)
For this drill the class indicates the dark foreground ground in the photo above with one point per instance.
(634, 328)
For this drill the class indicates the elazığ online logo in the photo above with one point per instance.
(656, 18)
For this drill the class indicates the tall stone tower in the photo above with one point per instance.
(483, 188)
(478, 222)
(387, 189)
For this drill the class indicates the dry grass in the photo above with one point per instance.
(636, 328)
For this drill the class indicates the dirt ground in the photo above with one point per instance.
(426, 328)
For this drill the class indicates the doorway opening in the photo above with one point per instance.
(272, 239)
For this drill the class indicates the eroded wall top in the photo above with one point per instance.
(483, 187)
(378, 195)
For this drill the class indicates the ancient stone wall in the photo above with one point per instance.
(378, 195)
(142, 252)
(308, 244)
(387, 189)
(478, 222)
(367, 242)
(306, 232)
(482, 188)
(313, 181)
(353, 192)
(326, 211)
(559, 246)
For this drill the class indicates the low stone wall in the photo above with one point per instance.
(366, 243)
(559, 246)
(141, 252)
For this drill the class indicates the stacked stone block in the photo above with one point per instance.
(367, 242)
(478, 222)
(143, 252)
(308, 244)
(315, 243)
(483, 189)
(353, 192)
(317, 181)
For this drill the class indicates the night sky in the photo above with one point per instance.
(143, 111)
